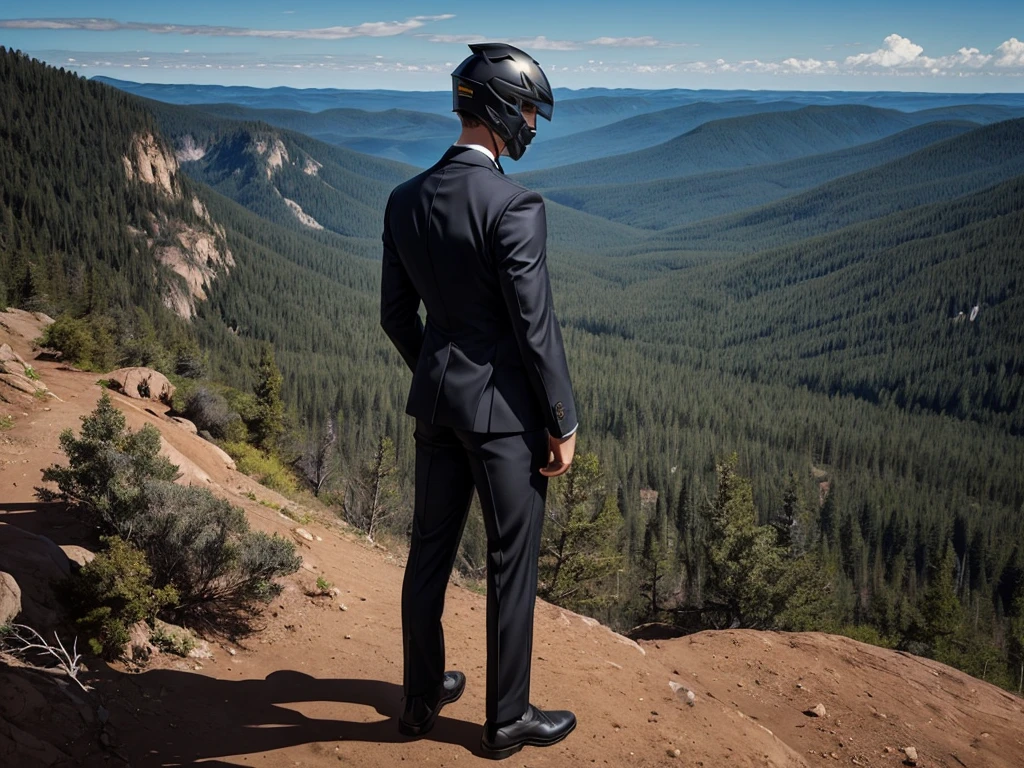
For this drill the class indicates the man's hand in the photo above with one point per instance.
(560, 453)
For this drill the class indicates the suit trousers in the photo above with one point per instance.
(503, 468)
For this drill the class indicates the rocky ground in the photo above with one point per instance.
(321, 683)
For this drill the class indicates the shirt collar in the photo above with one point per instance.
(480, 148)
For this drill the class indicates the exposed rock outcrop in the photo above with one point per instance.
(274, 151)
(196, 252)
(142, 384)
(153, 163)
(301, 215)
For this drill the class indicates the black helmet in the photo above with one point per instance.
(492, 85)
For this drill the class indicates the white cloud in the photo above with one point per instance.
(626, 42)
(808, 65)
(895, 52)
(539, 43)
(542, 43)
(366, 29)
(1011, 53)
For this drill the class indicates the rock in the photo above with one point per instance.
(190, 473)
(185, 424)
(228, 461)
(36, 563)
(142, 384)
(673, 752)
(22, 383)
(139, 646)
(8, 355)
(79, 555)
(19, 699)
(911, 754)
(29, 749)
(10, 598)
(304, 534)
(818, 710)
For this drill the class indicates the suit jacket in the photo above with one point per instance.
(471, 245)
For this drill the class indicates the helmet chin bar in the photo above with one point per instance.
(517, 145)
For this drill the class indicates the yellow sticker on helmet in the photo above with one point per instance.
(465, 90)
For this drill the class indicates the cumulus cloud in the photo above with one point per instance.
(1011, 53)
(895, 50)
(366, 29)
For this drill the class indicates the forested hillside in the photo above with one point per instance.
(94, 218)
(672, 202)
(734, 143)
(945, 170)
(638, 132)
(852, 336)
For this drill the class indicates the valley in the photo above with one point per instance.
(827, 286)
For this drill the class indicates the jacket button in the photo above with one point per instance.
(559, 411)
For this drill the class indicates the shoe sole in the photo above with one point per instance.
(501, 754)
(419, 730)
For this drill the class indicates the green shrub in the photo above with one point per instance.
(6, 422)
(192, 543)
(107, 467)
(112, 593)
(87, 342)
(179, 643)
(323, 586)
(30, 373)
(265, 469)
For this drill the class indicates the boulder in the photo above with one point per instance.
(142, 384)
(185, 424)
(22, 383)
(79, 555)
(8, 355)
(10, 598)
(19, 698)
(36, 563)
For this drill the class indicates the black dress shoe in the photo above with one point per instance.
(421, 711)
(536, 728)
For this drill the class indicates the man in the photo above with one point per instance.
(490, 391)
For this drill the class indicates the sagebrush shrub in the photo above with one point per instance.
(203, 547)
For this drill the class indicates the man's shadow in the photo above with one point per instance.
(182, 718)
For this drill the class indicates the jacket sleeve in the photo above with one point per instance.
(520, 250)
(399, 301)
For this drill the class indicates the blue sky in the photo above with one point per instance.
(907, 45)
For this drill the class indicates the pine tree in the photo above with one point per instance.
(268, 424)
(579, 545)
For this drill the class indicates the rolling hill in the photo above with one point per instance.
(948, 169)
(634, 133)
(673, 202)
(734, 143)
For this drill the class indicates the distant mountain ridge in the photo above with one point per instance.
(674, 202)
(735, 142)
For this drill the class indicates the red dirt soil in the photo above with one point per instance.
(321, 685)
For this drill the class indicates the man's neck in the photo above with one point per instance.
(482, 136)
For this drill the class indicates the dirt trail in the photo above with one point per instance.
(321, 685)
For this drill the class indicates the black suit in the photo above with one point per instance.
(490, 382)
